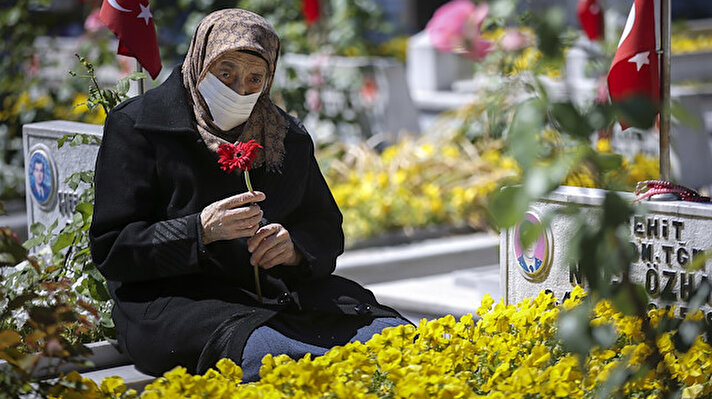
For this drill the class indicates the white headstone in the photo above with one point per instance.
(47, 167)
(431, 70)
(667, 238)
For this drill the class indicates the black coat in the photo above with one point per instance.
(179, 302)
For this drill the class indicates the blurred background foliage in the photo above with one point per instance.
(480, 166)
(345, 28)
(475, 133)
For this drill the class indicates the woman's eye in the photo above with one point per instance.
(256, 80)
(225, 75)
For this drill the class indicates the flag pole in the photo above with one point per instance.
(665, 21)
(141, 87)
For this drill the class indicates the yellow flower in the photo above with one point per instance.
(603, 144)
(229, 370)
(113, 386)
(692, 392)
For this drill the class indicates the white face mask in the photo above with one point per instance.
(229, 109)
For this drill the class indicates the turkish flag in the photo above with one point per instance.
(310, 9)
(132, 22)
(635, 66)
(590, 15)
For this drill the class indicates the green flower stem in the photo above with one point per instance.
(254, 268)
(247, 181)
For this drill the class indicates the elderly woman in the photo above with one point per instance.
(177, 237)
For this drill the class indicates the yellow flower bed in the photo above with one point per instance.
(517, 62)
(439, 180)
(641, 167)
(15, 105)
(512, 352)
(414, 183)
(684, 42)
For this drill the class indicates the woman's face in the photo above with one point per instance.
(242, 72)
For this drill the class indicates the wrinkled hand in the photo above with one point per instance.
(272, 246)
(232, 217)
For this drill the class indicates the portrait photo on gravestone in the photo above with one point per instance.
(41, 176)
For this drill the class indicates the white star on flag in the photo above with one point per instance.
(640, 59)
(146, 13)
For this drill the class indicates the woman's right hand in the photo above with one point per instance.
(232, 217)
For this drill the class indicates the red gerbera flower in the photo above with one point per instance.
(238, 156)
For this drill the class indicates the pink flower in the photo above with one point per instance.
(456, 27)
(93, 23)
(313, 99)
(514, 40)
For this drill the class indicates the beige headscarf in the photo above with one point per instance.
(229, 30)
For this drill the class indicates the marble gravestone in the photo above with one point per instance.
(47, 167)
(667, 237)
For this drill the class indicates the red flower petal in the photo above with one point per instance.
(237, 156)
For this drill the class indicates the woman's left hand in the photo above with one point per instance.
(272, 246)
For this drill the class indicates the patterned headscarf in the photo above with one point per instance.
(229, 30)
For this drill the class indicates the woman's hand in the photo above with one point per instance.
(229, 218)
(272, 246)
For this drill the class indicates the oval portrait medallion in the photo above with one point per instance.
(41, 176)
(534, 261)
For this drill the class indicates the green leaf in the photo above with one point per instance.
(616, 210)
(618, 376)
(507, 206)
(86, 209)
(700, 296)
(64, 240)
(98, 290)
(62, 140)
(523, 138)
(73, 180)
(684, 117)
(77, 140)
(608, 162)
(628, 299)
(604, 335)
(93, 273)
(33, 242)
(136, 76)
(529, 232)
(122, 87)
(567, 118)
(686, 335)
(502, 8)
(37, 228)
(11, 251)
(699, 260)
(87, 176)
(549, 28)
(637, 111)
(600, 116)
(574, 330)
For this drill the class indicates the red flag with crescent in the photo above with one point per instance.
(132, 22)
(635, 66)
(590, 16)
(310, 9)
